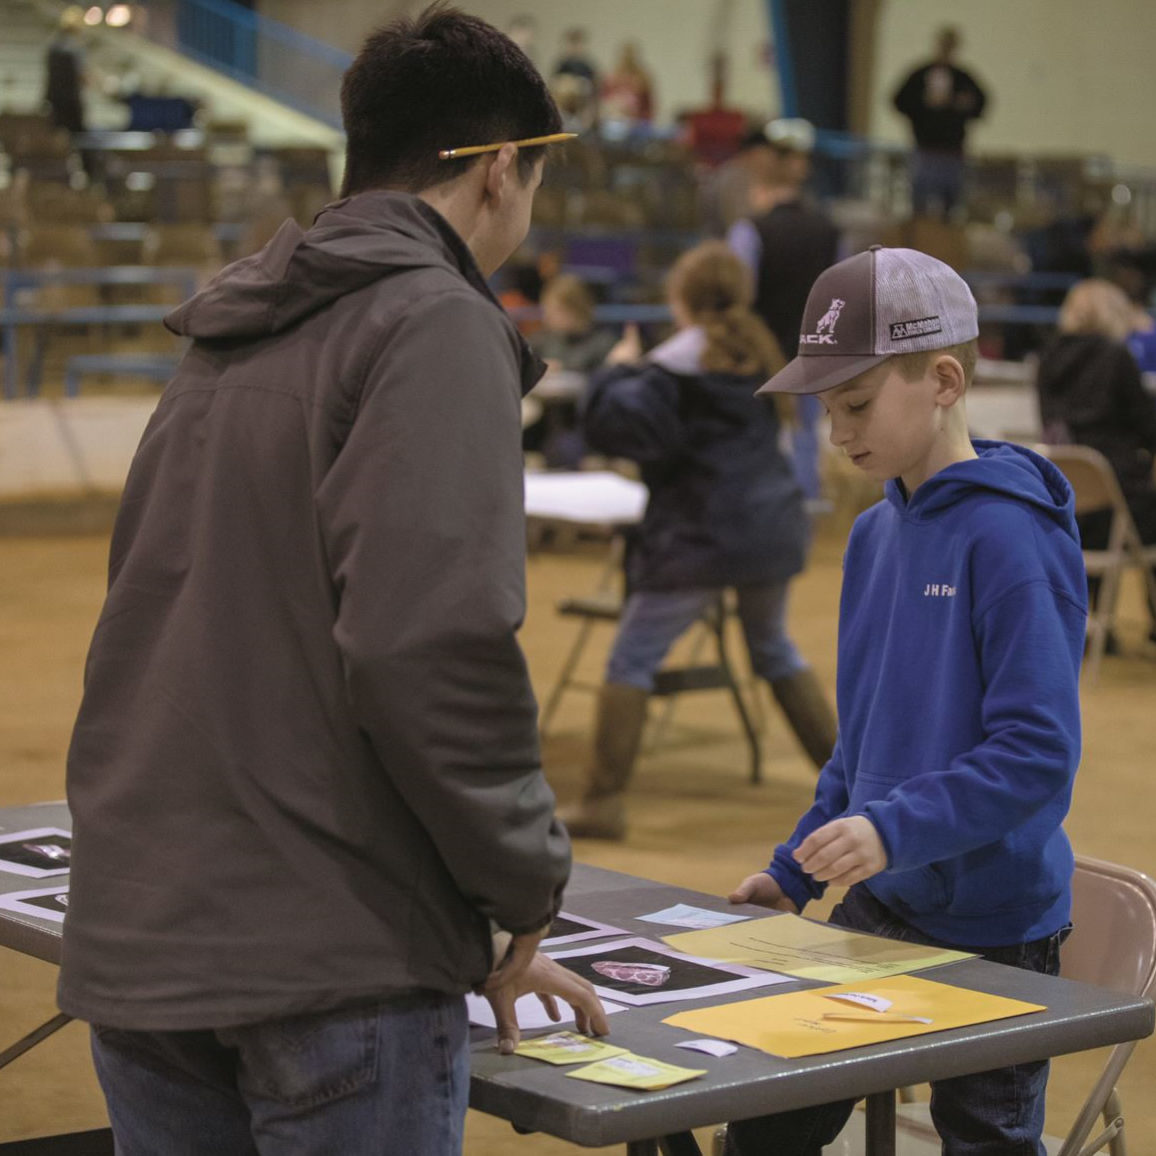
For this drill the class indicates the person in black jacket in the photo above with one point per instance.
(941, 100)
(786, 244)
(725, 510)
(1091, 394)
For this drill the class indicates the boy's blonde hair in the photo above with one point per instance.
(716, 290)
(1096, 306)
(914, 365)
(571, 294)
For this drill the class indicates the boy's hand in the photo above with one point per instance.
(842, 852)
(545, 978)
(764, 891)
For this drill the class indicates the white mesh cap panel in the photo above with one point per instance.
(920, 303)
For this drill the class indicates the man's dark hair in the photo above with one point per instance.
(439, 80)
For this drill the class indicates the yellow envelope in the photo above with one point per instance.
(566, 1048)
(631, 1071)
(809, 1023)
(796, 946)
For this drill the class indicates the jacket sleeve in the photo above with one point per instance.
(422, 517)
(1028, 641)
(632, 412)
(908, 98)
(831, 800)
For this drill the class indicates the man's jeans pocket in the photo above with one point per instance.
(306, 1061)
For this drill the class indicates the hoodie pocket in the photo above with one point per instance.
(921, 891)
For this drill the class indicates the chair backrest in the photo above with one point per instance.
(1091, 477)
(1113, 942)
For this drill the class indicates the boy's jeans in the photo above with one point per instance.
(998, 1113)
(380, 1078)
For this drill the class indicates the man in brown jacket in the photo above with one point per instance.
(305, 774)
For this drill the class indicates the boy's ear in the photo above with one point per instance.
(950, 379)
(502, 170)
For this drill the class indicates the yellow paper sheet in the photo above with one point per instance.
(794, 1025)
(640, 1072)
(566, 1048)
(802, 947)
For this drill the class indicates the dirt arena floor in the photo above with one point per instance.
(695, 819)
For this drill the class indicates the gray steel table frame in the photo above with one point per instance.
(537, 1097)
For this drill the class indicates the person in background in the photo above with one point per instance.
(575, 82)
(568, 339)
(724, 510)
(64, 73)
(628, 91)
(569, 342)
(787, 242)
(940, 100)
(305, 775)
(1091, 393)
(961, 625)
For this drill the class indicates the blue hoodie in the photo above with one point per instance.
(961, 630)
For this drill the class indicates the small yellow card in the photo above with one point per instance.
(631, 1071)
(810, 1023)
(567, 1048)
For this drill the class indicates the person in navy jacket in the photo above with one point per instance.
(961, 630)
(725, 510)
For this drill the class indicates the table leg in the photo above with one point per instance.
(680, 1144)
(881, 1124)
(642, 1148)
(33, 1038)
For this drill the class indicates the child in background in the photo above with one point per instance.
(569, 342)
(961, 630)
(725, 510)
(569, 339)
(1091, 394)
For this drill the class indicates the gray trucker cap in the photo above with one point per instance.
(870, 307)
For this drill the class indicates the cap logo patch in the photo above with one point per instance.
(825, 329)
(921, 327)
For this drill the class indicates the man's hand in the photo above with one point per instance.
(763, 890)
(547, 979)
(517, 958)
(842, 852)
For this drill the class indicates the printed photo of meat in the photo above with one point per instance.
(647, 974)
(637, 970)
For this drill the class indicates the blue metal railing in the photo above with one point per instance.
(260, 52)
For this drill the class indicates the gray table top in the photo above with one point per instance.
(538, 1097)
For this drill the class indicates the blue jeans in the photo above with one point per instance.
(936, 182)
(653, 620)
(375, 1079)
(998, 1113)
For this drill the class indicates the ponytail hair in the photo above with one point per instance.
(715, 290)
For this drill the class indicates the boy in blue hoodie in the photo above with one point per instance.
(961, 628)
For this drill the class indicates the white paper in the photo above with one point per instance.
(529, 1011)
(698, 918)
(590, 929)
(46, 851)
(711, 1047)
(676, 976)
(589, 497)
(865, 999)
(45, 903)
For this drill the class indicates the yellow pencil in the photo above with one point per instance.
(473, 150)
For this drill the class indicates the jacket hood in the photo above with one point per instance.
(352, 244)
(1001, 468)
(682, 353)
